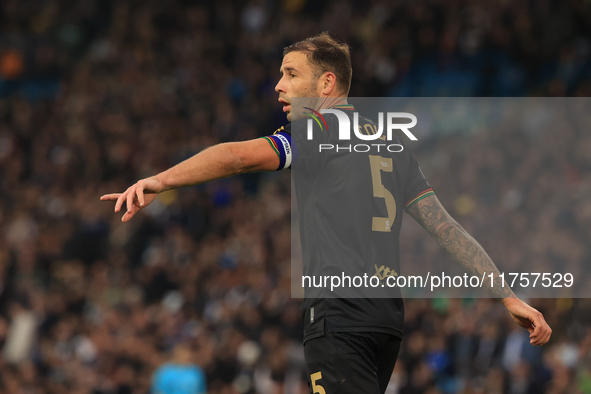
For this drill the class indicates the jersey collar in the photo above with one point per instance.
(348, 107)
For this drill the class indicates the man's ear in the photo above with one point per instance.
(328, 83)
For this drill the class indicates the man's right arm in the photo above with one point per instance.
(218, 161)
(465, 250)
(456, 241)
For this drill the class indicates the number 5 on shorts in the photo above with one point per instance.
(316, 388)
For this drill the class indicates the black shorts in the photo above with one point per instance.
(344, 362)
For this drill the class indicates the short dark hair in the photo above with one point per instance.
(326, 54)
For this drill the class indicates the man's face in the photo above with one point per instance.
(297, 80)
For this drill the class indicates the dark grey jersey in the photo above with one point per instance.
(351, 195)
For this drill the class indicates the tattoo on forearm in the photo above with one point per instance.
(464, 249)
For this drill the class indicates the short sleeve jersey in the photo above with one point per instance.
(351, 195)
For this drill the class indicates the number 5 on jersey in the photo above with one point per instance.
(316, 388)
(378, 164)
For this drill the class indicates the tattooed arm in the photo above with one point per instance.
(464, 249)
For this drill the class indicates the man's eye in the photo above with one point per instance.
(292, 75)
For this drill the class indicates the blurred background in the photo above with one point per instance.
(97, 94)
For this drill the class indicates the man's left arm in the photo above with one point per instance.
(218, 161)
(465, 250)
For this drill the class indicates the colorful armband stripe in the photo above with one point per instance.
(420, 196)
(281, 143)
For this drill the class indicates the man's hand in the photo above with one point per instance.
(137, 196)
(529, 318)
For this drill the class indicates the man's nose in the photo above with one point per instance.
(280, 87)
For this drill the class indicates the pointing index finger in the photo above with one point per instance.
(109, 197)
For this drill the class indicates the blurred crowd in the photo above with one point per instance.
(97, 94)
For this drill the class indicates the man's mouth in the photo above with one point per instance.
(286, 105)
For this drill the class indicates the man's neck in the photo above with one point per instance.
(328, 102)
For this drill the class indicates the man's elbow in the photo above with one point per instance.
(248, 157)
(446, 230)
(237, 161)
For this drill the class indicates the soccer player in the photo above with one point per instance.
(350, 344)
(180, 375)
